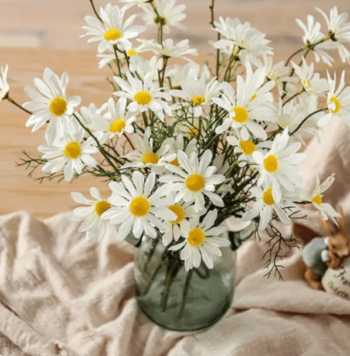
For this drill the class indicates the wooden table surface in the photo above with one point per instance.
(35, 34)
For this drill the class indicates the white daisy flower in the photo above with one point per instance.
(92, 224)
(113, 30)
(278, 167)
(143, 95)
(4, 87)
(183, 211)
(242, 40)
(222, 168)
(338, 31)
(316, 197)
(338, 102)
(311, 82)
(246, 148)
(179, 74)
(312, 36)
(144, 155)
(136, 209)
(245, 106)
(265, 206)
(69, 151)
(197, 93)
(202, 241)
(170, 14)
(89, 114)
(116, 121)
(196, 181)
(169, 49)
(153, 66)
(50, 103)
(178, 144)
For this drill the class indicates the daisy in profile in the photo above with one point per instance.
(143, 95)
(338, 31)
(136, 209)
(314, 35)
(152, 66)
(194, 179)
(89, 114)
(145, 156)
(50, 103)
(178, 144)
(179, 74)
(245, 108)
(170, 14)
(70, 151)
(242, 40)
(316, 197)
(92, 224)
(169, 49)
(202, 241)
(266, 205)
(338, 102)
(116, 121)
(279, 166)
(113, 30)
(4, 87)
(183, 211)
(311, 82)
(197, 93)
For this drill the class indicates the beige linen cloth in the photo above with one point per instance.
(63, 296)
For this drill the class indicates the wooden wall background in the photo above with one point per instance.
(35, 34)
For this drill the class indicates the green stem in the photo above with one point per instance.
(117, 60)
(185, 292)
(96, 13)
(18, 105)
(307, 117)
(294, 96)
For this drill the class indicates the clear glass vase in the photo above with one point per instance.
(179, 300)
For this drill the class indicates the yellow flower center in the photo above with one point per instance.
(241, 114)
(112, 35)
(58, 106)
(131, 52)
(253, 97)
(72, 150)
(175, 162)
(143, 98)
(160, 20)
(306, 84)
(150, 158)
(195, 182)
(267, 197)
(193, 133)
(337, 104)
(248, 147)
(101, 207)
(317, 199)
(198, 100)
(271, 163)
(140, 206)
(196, 237)
(117, 126)
(179, 211)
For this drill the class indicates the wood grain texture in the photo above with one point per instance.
(35, 34)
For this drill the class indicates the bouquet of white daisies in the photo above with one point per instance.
(183, 148)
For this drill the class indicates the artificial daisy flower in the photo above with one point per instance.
(338, 31)
(338, 102)
(316, 197)
(170, 14)
(136, 209)
(145, 156)
(242, 40)
(265, 205)
(113, 30)
(153, 66)
(194, 179)
(245, 107)
(197, 93)
(202, 241)
(178, 144)
(222, 168)
(245, 148)
(311, 82)
(50, 103)
(70, 151)
(92, 224)
(314, 35)
(169, 49)
(183, 212)
(143, 95)
(116, 121)
(89, 114)
(4, 87)
(178, 74)
(278, 167)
